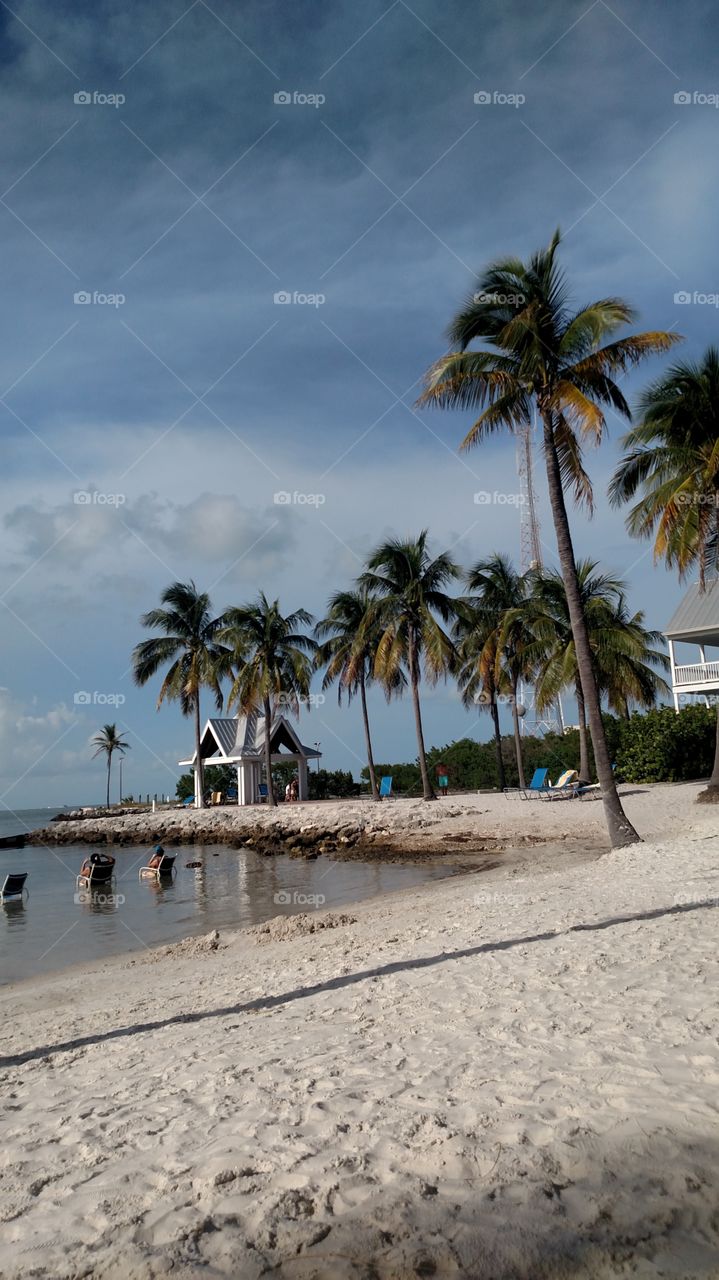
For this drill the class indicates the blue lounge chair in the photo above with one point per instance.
(13, 886)
(385, 788)
(188, 801)
(565, 788)
(262, 791)
(538, 784)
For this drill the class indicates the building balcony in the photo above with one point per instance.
(697, 675)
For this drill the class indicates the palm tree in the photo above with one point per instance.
(672, 461)
(109, 741)
(273, 661)
(544, 356)
(348, 650)
(476, 638)
(189, 643)
(501, 595)
(623, 653)
(407, 591)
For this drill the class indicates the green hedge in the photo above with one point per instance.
(663, 746)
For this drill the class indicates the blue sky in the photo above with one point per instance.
(181, 197)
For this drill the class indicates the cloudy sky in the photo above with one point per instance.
(168, 170)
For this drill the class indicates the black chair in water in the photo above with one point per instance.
(14, 885)
(98, 869)
(161, 866)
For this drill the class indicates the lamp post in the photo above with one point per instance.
(317, 747)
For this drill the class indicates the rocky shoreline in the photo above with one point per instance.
(362, 830)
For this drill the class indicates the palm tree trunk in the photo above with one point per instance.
(621, 831)
(368, 740)
(109, 767)
(268, 753)
(517, 738)
(427, 789)
(710, 794)
(583, 744)
(498, 742)
(198, 755)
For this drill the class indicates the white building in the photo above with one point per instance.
(240, 741)
(695, 623)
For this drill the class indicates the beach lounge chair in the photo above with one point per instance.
(565, 788)
(188, 801)
(100, 871)
(538, 784)
(262, 791)
(165, 867)
(217, 797)
(385, 788)
(14, 885)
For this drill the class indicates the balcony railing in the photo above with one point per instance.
(697, 673)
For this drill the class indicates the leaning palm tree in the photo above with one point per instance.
(190, 645)
(475, 635)
(408, 594)
(349, 642)
(273, 661)
(108, 741)
(544, 356)
(624, 653)
(501, 595)
(672, 463)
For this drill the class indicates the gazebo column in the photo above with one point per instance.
(303, 788)
(196, 772)
(246, 783)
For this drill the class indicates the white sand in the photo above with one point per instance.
(459, 1083)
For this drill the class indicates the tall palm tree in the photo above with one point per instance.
(501, 595)
(349, 642)
(408, 598)
(475, 636)
(624, 655)
(543, 355)
(109, 741)
(190, 645)
(273, 661)
(672, 462)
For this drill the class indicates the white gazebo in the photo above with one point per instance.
(240, 741)
(696, 623)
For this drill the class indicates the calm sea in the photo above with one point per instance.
(55, 926)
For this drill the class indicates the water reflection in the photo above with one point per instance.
(15, 913)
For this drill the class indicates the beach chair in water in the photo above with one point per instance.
(14, 885)
(538, 784)
(385, 788)
(565, 788)
(165, 866)
(98, 869)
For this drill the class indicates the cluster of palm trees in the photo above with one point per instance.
(398, 626)
(539, 357)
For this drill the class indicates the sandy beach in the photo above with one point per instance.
(510, 1074)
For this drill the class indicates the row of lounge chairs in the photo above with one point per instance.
(98, 869)
(568, 786)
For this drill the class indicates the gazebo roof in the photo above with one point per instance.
(696, 619)
(239, 739)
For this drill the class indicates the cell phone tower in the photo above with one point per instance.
(530, 557)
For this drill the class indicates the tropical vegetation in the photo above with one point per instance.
(108, 743)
